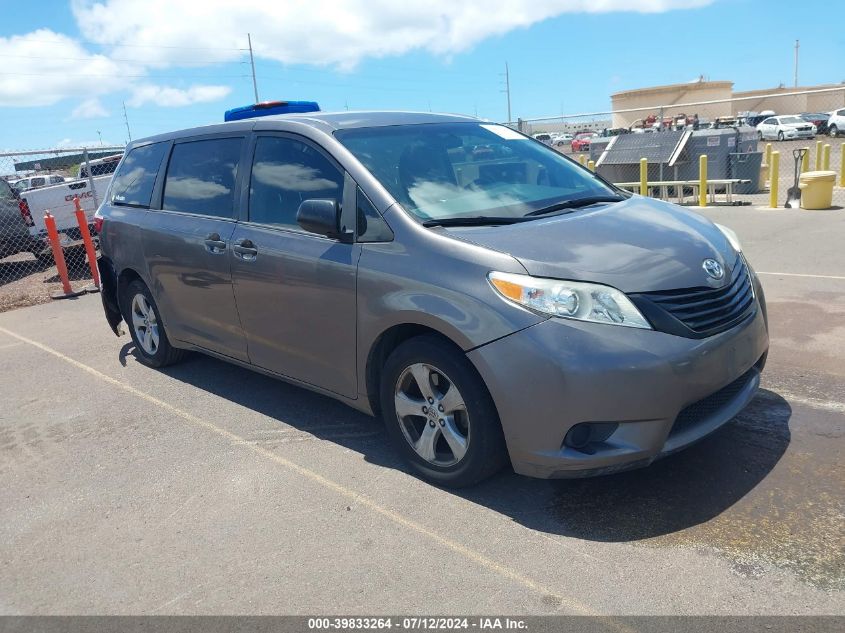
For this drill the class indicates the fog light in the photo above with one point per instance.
(585, 433)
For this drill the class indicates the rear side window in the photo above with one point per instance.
(284, 173)
(133, 184)
(201, 177)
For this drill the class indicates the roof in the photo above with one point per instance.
(326, 121)
(693, 85)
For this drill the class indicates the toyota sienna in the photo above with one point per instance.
(492, 300)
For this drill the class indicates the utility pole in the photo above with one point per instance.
(126, 120)
(797, 46)
(507, 89)
(252, 64)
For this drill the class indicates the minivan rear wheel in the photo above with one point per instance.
(146, 329)
(439, 413)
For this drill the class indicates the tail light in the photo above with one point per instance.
(98, 223)
(25, 214)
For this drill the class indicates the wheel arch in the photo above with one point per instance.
(383, 346)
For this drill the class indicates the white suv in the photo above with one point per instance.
(836, 123)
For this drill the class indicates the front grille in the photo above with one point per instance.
(703, 409)
(708, 311)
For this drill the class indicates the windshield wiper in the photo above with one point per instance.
(475, 220)
(576, 203)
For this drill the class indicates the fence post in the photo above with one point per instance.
(643, 176)
(59, 258)
(826, 157)
(90, 178)
(773, 180)
(591, 165)
(805, 161)
(842, 165)
(89, 244)
(702, 180)
(818, 155)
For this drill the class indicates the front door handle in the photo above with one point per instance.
(245, 250)
(214, 245)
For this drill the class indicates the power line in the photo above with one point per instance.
(191, 48)
(119, 59)
(121, 75)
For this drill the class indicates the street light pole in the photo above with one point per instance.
(252, 64)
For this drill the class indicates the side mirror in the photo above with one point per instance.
(322, 216)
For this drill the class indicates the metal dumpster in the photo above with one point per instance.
(746, 166)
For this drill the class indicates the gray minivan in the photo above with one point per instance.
(489, 298)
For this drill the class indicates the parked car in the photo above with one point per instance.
(543, 137)
(35, 182)
(563, 139)
(785, 127)
(59, 200)
(818, 119)
(581, 142)
(836, 123)
(14, 236)
(488, 311)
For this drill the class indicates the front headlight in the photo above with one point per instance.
(569, 299)
(732, 237)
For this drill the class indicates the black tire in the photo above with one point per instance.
(780, 136)
(486, 452)
(164, 353)
(832, 131)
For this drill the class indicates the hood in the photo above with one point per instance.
(637, 245)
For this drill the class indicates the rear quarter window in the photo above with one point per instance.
(134, 181)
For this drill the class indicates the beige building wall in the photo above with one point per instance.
(651, 98)
(759, 100)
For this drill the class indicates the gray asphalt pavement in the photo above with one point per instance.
(206, 488)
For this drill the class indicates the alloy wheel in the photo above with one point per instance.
(432, 414)
(145, 324)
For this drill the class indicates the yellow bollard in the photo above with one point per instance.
(702, 180)
(768, 153)
(805, 162)
(643, 176)
(842, 166)
(773, 180)
(581, 158)
(826, 157)
(818, 155)
(591, 165)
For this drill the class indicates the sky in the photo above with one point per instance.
(67, 67)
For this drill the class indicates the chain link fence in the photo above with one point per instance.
(33, 183)
(739, 136)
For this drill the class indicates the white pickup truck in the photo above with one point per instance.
(59, 201)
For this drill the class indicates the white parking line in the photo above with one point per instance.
(393, 516)
(803, 275)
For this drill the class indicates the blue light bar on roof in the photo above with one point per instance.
(269, 108)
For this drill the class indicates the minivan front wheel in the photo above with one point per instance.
(439, 414)
(144, 320)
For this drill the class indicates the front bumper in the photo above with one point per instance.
(551, 376)
(799, 134)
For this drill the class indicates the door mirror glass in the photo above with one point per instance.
(321, 216)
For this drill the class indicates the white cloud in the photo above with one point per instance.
(170, 97)
(89, 109)
(333, 32)
(49, 66)
(44, 67)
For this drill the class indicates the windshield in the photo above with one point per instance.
(792, 119)
(463, 170)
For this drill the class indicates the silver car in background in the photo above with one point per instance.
(489, 298)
